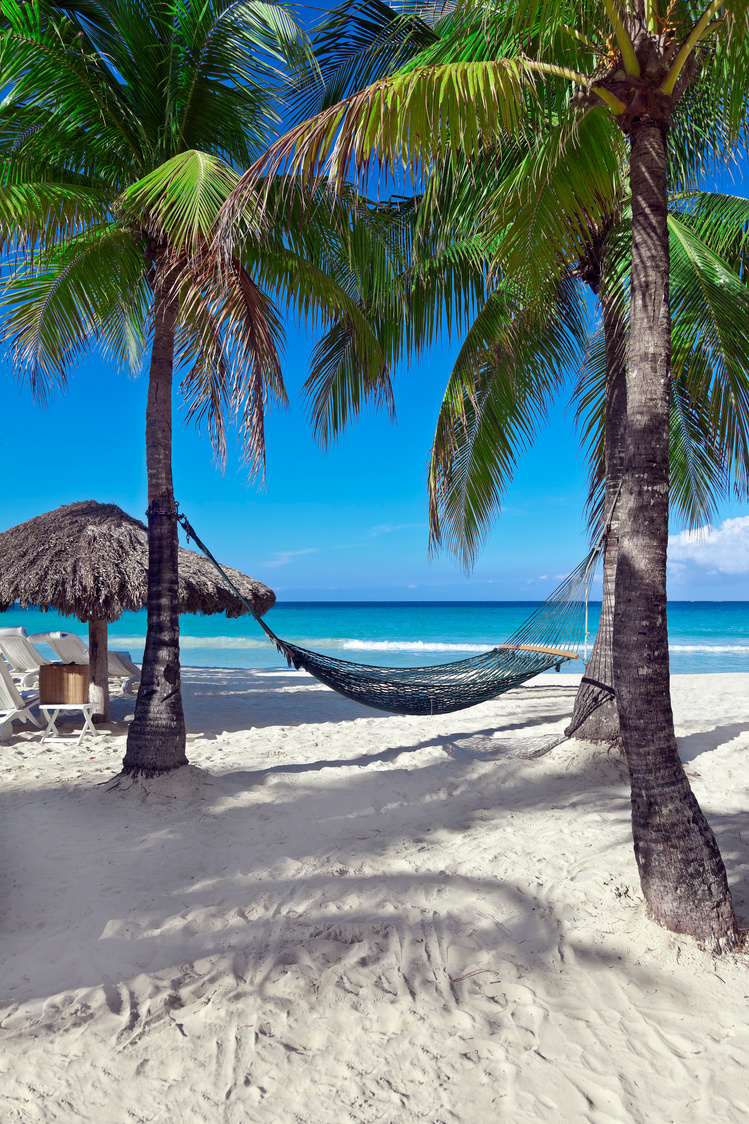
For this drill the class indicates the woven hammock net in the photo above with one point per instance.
(552, 635)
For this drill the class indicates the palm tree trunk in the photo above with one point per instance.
(595, 716)
(98, 688)
(681, 871)
(156, 738)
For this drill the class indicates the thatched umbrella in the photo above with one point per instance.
(90, 560)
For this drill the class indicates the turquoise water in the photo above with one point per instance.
(704, 636)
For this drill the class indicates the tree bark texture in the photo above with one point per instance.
(98, 668)
(681, 870)
(595, 717)
(156, 738)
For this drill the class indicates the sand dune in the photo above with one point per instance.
(341, 916)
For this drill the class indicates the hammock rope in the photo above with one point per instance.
(552, 635)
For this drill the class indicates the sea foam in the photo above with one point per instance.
(324, 643)
(333, 643)
(708, 648)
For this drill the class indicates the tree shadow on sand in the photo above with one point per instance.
(260, 699)
(97, 887)
(257, 882)
(478, 745)
(705, 741)
(256, 700)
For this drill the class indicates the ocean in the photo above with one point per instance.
(705, 636)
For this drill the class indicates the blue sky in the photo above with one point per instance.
(346, 525)
(343, 525)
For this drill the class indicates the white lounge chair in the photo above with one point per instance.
(22, 656)
(67, 646)
(13, 705)
(122, 667)
(71, 649)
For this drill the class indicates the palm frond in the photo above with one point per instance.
(356, 44)
(710, 332)
(229, 344)
(697, 467)
(489, 414)
(343, 379)
(589, 397)
(720, 222)
(455, 110)
(178, 203)
(313, 293)
(37, 214)
(69, 299)
(53, 69)
(558, 204)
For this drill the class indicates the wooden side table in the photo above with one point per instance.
(51, 713)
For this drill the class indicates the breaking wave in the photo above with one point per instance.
(326, 643)
(408, 646)
(332, 643)
(708, 648)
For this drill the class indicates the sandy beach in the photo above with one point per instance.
(339, 916)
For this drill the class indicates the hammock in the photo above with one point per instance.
(550, 637)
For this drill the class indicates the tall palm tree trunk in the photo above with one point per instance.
(156, 738)
(681, 871)
(98, 691)
(595, 716)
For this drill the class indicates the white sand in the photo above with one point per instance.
(278, 934)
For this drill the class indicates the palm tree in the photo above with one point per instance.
(471, 463)
(444, 104)
(122, 129)
(482, 423)
(474, 449)
(489, 409)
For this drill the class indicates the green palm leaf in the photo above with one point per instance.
(406, 116)
(38, 213)
(179, 201)
(721, 222)
(711, 344)
(699, 477)
(491, 412)
(358, 43)
(70, 300)
(229, 346)
(558, 204)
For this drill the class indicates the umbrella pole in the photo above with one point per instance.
(98, 690)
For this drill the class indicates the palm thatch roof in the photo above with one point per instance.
(90, 560)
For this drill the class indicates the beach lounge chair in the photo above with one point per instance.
(122, 667)
(13, 705)
(68, 647)
(71, 649)
(22, 656)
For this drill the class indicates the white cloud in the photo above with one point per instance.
(283, 557)
(723, 549)
(388, 528)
